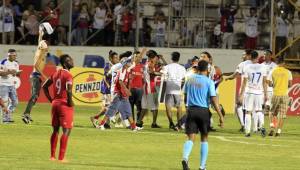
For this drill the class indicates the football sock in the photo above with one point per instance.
(211, 122)
(204, 154)
(240, 115)
(187, 148)
(97, 116)
(126, 122)
(255, 121)
(53, 143)
(261, 119)
(278, 130)
(63, 146)
(132, 125)
(247, 123)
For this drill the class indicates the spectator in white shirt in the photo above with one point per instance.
(251, 23)
(160, 31)
(8, 20)
(175, 74)
(99, 23)
(9, 69)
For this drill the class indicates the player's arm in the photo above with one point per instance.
(38, 57)
(41, 34)
(265, 85)
(127, 91)
(69, 95)
(215, 102)
(232, 76)
(245, 79)
(46, 86)
(290, 83)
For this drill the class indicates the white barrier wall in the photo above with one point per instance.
(226, 59)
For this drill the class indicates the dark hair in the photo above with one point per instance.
(254, 55)
(268, 51)
(175, 56)
(202, 65)
(248, 51)
(207, 53)
(252, 8)
(151, 54)
(194, 58)
(112, 53)
(62, 59)
(11, 50)
(126, 54)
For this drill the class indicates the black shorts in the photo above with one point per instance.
(198, 119)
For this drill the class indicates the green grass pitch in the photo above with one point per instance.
(27, 146)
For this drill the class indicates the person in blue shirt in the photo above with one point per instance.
(200, 92)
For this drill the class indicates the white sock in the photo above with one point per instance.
(261, 119)
(255, 121)
(126, 122)
(211, 122)
(240, 115)
(247, 123)
(279, 131)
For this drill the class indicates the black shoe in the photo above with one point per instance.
(271, 133)
(263, 132)
(212, 129)
(172, 126)
(140, 124)
(247, 135)
(154, 125)
(107, 126)
(277, 134)
(185, 165)
(26, 118)
(242, 130)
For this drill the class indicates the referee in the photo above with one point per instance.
(199, 91)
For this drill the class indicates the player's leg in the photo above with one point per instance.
(240, 115)
(138, 103)
(260, 115)
(105, 103)
(145, 106)
(169, 102)
(132, 100)
(204, 125)
(111, 111)
(191, 129)
(4, 96)
(14, 101)
(177, 104)
(126, 112)
(282, 110)
(55, 125)
(66, 121)
(35, 91)
(274, 111)
(255, 121)
(63, 144)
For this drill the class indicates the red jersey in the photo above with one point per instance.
(136, 74)
(61, 78)
(122, 75)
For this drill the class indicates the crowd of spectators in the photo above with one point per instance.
(113, 22)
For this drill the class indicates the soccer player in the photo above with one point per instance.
(253, 91)
(270, 65)
(9, 68)
(120, 101)
(106, 84)
(281, 79)
(199, 90)
(62, 105)
(36, 76)
(239, 72)
(175, 74)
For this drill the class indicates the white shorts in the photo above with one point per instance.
(149, 101)
(253, 102)
(268, 102)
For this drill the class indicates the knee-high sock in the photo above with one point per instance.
(247, 123)
(53, 143)
(255, 121)
(211, 122)
(204, 154)
(63, 146)
(240, 115)
(187, 148)
(261, 119)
